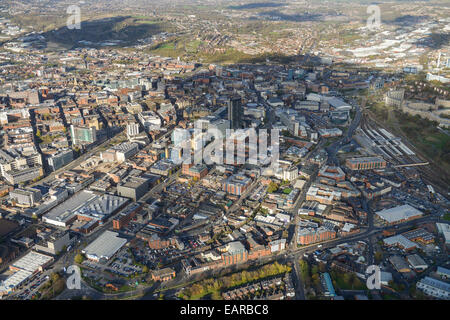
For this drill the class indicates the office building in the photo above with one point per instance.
(53, 242)
(444, 230)
(83, 135)
(133, 187)
(197, 171)
(120, 153)
(126, 215)
(235, 112)
(60, 159)
(162, 275)
(235, 252)
(25, 197)
(236, 184)
(23, 174)
(312, 235)
(132, 129)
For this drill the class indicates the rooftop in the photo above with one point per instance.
(399, 213)
(105, 246)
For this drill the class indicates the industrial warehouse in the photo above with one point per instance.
(85, 206)
(105, 246)
(399, 214)
(24, 269)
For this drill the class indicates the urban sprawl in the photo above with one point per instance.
(88, 177)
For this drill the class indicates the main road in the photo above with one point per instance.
(334, 148)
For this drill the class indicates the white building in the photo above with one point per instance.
(105, 246)
(132, 129)
(444, 229)
(149, 120)
(399, 214)
(434, 288)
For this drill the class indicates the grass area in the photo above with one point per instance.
(447, 216)
(423, 133)
(426, 137)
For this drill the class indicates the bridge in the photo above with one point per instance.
(412, 165)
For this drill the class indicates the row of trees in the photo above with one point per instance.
(215, 286)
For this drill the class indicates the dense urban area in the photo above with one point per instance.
(355, 171)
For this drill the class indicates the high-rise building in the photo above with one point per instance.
(235, 112)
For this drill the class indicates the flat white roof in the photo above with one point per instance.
(445, 230)
(105, 246)
(14, 280)
(32, 261)
(399, 213)
(399, 240)
(27, 265)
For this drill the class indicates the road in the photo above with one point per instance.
(334, 148)
(291, 254)
(76, 162)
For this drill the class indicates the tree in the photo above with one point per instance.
(322, 267)
(272, 187)
(79, 258)
(378, 257)
(216, 295)
(316, 279)
(315, 270)
(55, 277)
(347, 278)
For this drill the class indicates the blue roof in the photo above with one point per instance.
(443, 271)
(329, 284)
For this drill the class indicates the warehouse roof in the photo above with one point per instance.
(436, 283)
(14, 280)
(32, 261)
(63, 212)
(85, 203)
(399, 240)
(102, 206)
(416, 261)
(27, 266)
(399, 213)
(105, 246)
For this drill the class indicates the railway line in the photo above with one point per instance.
(403, 154)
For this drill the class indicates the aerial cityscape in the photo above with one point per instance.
(224, 150)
